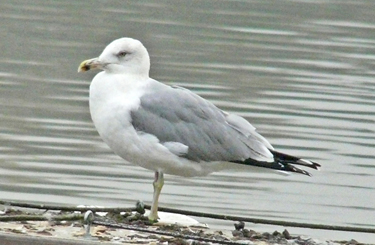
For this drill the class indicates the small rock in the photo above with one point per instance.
(267, 235)
(237, 233)
(246, 233)
(140, 207)
(353, 242)
(287, 234)
(276, 234)
(239, 225)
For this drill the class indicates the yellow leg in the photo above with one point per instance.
(158, 185)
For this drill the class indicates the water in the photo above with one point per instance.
(300, 71)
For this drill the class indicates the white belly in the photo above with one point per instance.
(144, 149)
(110, 108)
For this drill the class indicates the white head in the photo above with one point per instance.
(124, 55)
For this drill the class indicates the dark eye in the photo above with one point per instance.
(122, 54)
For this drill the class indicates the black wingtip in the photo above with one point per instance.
(285, 158)
(277, 165)
(284, 162)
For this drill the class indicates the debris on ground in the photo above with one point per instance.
(135, 228)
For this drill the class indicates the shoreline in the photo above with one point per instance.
(65, 228)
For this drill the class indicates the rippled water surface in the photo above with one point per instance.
(299, 71)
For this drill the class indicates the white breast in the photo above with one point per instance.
(111, 100)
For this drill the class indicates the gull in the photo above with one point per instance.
(169, 129)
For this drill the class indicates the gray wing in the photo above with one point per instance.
(194, 128)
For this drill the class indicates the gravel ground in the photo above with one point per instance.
(132, 228)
